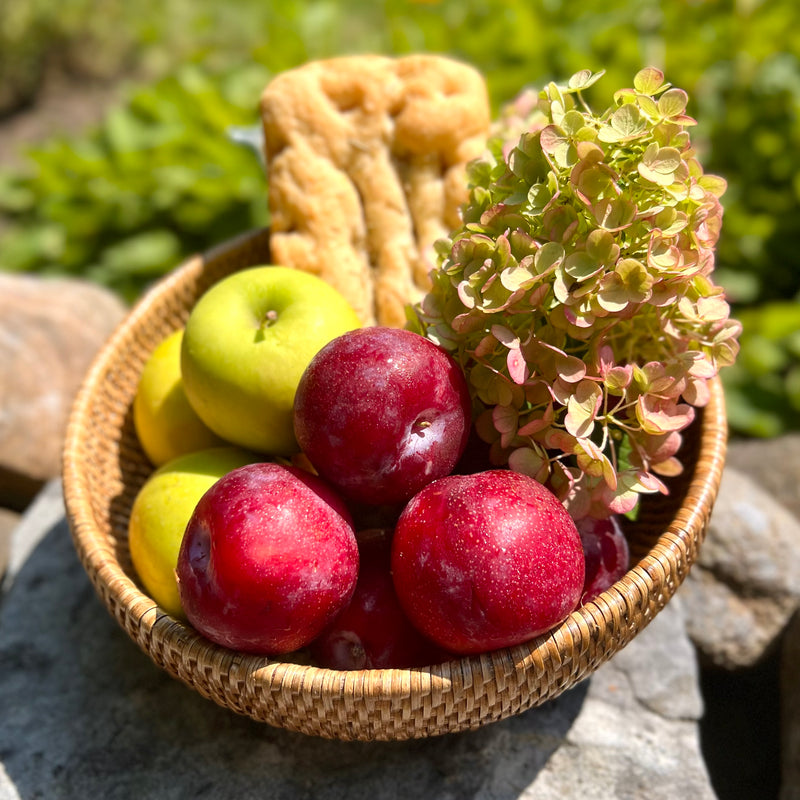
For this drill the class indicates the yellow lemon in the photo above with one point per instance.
(163, 508)
(165, 422)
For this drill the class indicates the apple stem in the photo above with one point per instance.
(270, 318)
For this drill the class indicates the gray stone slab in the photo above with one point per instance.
(745, 586)
(85, 714)
(774, 464)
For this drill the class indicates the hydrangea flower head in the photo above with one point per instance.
(578, 294)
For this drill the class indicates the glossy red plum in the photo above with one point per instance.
(380, 412)
(606, 552)
(486, 560)
(268, 559)
(373, 632)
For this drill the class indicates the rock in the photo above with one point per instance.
(46, 511)
(790, 712)
(636, 734)
(745, 585)
(774, 464)
(50, 329)
(629, 732)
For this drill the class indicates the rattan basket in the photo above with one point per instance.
(104, 467)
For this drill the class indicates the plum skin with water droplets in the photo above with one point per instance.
(486, 560)
(381, 412)
(268, 559)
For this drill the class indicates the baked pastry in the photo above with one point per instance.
(366, 160)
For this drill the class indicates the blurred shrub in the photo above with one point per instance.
(104, 39)
(160, 178)
(90, 39)
(763, 387)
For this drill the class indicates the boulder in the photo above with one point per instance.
(745, 585)
(628, 732)
(774, 464)
(636, 735)
(50, 329)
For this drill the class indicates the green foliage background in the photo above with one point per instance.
(162, 177)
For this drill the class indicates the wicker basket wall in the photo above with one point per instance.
(104, 467)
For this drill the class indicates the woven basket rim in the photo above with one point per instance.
(647, 586)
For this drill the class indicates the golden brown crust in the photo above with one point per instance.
(366, 161)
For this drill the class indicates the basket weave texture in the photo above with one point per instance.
(104, 467)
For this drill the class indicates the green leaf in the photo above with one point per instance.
(627, 122)
(572, 123)
(584, 79)
(124, 132)
(514, 278)
(672, 103)
(614, 214)
(144, 254)
(539, 195)
(548, 257)
(600, 245)
(16, 196)
(648, 81)
(580, 265)
(648, 106)
(772, 321)
(714, 184)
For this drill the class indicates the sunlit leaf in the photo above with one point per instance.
(614, 214)
(672, 103)
(514, 278)
(584, 79)
(713, 184)
(572, 123)
(580, 265)
(648, 81)
(648, 106)
(657, 416)
(625, 123)
(582, 408)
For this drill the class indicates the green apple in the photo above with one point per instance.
(161, 512)
(165, 422)
(247, 342)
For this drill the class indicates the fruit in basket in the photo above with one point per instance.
(606, 552)
(166, 424)
(161, 510)
(486, 560)
(247, 341)
(268, 559)
(373, 632)
(380, 412)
